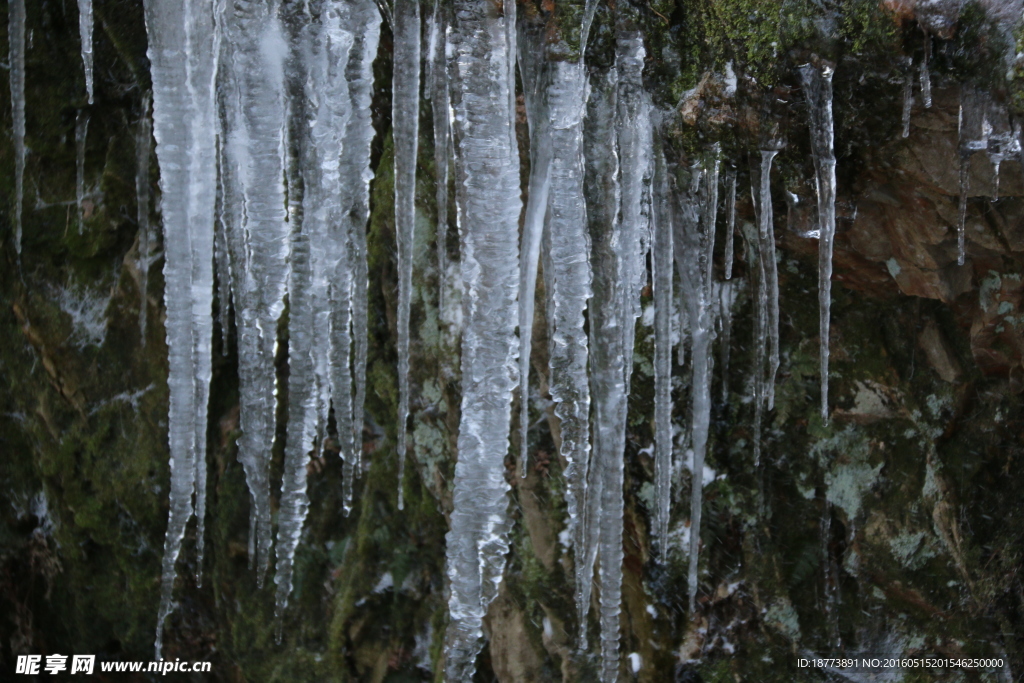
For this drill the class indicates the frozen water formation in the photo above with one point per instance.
(261, 115)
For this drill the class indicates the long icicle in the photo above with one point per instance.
(16, 40)
(405, 118)
(760, 306)
(487, 167)
(439, 102)
(532, 66)
(257, 52)
(608, 316)
(203, 196)
(316, 371)
(568, 281)
(693, 248)
(766, 252)
(355, 167)
(182, 49)
(633, 130)
(222, 254)
(662, 250)
(306, 219)
(818, 86)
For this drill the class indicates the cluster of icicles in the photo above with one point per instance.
(262, 121)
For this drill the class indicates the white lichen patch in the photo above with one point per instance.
(912, 550)
(783, 618)
(88, 313)
(850, 474)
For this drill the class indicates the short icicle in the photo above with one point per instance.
(908, 97)
(818, 88)
(85, 34)
(405, 117)
(488, 202)
(926, 76)
(726, 298)
(1001, 141)
(81, 136)
(973, 132)
(730, 220)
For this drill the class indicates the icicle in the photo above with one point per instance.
(608, 316)
(726, 298)
(319, 261)
(926, 77)
(965, 169)
(568, 279)
(536, 78)
(908, 97)
(830, 579)
(405, 117)
(709, 216)
(16, 39)
(222, 256)
(143, 152)
(487, 164)
(85, 34)
(255, 153)
(81, 133)
(510, 12)
(302, 412)
(766, 253)
(182, 49)
(818, 86)
(662, 250)
(694, 242)
(633, 130)
(759, 286)
(683, 328)
(307, 229)
(437, 83)
(589, 10)
(355, 163)
(973, 134)
(1001, 141)
(730, 224)
(202, 199)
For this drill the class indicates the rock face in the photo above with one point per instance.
(897, 528)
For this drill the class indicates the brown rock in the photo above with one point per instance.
(938, 353)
